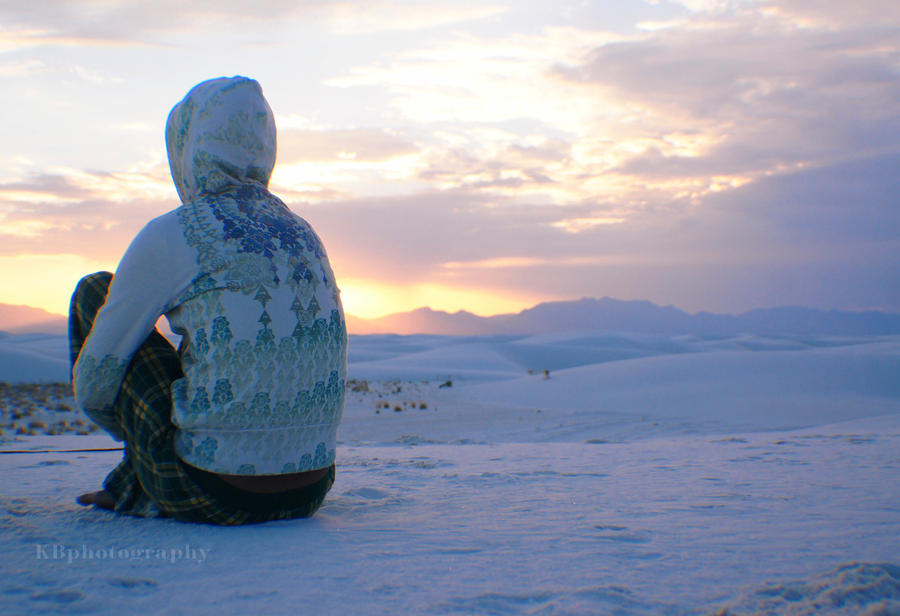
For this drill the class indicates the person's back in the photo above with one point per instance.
(247, 284)
(264, 348)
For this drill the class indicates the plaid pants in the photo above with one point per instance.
(151, 480)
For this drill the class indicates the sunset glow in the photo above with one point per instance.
(712, 155)
(58, 274)
(369, 300)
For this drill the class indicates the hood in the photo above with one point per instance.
(221, 134)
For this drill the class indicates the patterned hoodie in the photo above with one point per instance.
(247, 284)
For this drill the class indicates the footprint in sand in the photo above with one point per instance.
(368, 493)
(620, 534)
(58, 596)
(132, 583)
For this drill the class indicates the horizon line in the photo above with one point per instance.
(428, 308)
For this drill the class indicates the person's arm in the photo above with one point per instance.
(141, 291)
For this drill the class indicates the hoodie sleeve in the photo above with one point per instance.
(142, 289)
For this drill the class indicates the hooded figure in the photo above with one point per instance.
(258, 388)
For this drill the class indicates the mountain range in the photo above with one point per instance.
(18, 319)
(639, 316)
(586, 314)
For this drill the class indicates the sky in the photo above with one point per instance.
(487, 156)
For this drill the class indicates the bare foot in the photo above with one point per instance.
(101, 499)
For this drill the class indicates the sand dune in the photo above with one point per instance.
(642, 474)
(34, 358)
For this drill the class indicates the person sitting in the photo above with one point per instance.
(239, 424)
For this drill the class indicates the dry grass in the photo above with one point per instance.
(29, 409)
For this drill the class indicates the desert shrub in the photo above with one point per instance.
(358, 386)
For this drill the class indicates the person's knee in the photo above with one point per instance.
(92, 288)
(89, 295)
(97, 279)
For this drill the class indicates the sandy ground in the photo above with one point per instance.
(633, 485)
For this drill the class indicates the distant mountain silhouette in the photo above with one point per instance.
(587, 314)
(18, 319)
(637, 316)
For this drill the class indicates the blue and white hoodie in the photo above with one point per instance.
(247, 284)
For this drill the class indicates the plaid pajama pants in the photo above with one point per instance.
(151, 480)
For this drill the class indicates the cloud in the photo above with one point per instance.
(532, 262)
(740, 155)
(26, 228)
(352, 18)
(543, 150)
(758, 91)
(21, 68)
(473, 239)
(141, 180)
(841, 208)
(349, 144)
(752, 68)
(491, 160)
(153, 22)
(122, 22)
(465, 168)
(807, 13)
(579, 224)
(305, 193)
(11, 41)
(409, 238)
(44, 186)
(825, 236)
(836, 14)
(822, 236)
(729, 94)
(485, 80)
(94, 214)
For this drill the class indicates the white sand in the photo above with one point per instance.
(646, 475)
